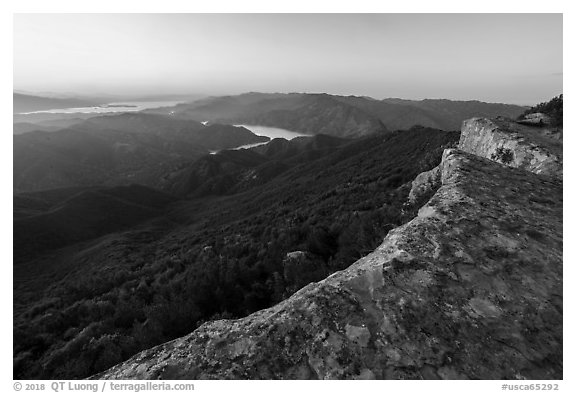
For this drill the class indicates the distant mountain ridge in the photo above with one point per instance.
(30, 103)
(342, 116)
(46, 125)
(436, 113)
(305, 113)
(153, 147)
(117, 150)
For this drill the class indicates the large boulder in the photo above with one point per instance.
(424, 185)
(513, 144)
(470, 288)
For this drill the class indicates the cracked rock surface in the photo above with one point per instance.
(469, 289)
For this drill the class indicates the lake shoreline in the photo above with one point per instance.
(270, 132)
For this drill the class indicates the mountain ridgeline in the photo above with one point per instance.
(29, 103)
(341, 116)
(117, 150)
(155, 146)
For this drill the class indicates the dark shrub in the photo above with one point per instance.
(503, 155)
(552, 108)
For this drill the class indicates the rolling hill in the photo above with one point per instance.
(73, 215)
(117, 150)
(231, 171)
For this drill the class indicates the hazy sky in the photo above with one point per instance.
(514, 58)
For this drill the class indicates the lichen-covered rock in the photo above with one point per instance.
(519, 146)
(470, 288)
(424, 185)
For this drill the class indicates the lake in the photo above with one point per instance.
(270, 132)
(112, 107)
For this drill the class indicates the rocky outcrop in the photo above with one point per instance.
(519, 146)
(424, 185)
(470, 288)
(538, 150)
(536, 119)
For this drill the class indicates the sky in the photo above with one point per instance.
(512, 58)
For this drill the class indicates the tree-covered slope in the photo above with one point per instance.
(85, 307)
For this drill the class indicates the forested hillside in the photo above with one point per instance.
(87, 306)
